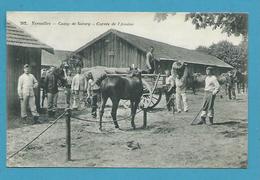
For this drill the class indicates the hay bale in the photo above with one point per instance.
(99, 71)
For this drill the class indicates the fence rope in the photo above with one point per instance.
(21, 149)
(87, 120)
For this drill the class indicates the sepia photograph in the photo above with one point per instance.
(127, 89)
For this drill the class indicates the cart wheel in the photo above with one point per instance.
(150, 102)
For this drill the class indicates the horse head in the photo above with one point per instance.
(59, 73)
(135, 72)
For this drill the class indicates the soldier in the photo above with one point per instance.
(26, 85)
(51, 87)
(43, 76)
(211, 89)
(181, 86)
(68, 78)
(150, 61)
(170, 85)
(93, 91)
(78, 88)
(231, 86)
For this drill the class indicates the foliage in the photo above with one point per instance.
(236, 56)
(203, 49)
(162, 16)
(230, 23)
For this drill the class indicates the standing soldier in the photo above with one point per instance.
(93, 91)
(51, 87)
(42, 81)
(211, 89)
(68, 78)
(169, 82)
(150, 61)
(78, 88)
(180, 83)
(26, 85)
(231, 86)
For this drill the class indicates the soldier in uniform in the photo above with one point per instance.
(211, 89)
(150, 61)
(68, 78)
(78, 88)
(26, 85)
(180, 80)
(231, 86)
(169, 89)
(51, 87)
(93, 92)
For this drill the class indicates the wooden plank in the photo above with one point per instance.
(92, 56)
(102, 51)
(121, 53)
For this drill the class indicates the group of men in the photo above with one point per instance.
(176, 85)
(79, 86)
(76, 88)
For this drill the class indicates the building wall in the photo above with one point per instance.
(16, 58)
(112, 51)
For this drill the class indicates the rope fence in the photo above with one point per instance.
(34, 139)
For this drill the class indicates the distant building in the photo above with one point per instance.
(22, 49)
(118, 49)
(55, 59)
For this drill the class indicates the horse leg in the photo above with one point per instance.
(101, 111)
(134, 105)
(194, 88)
(115, 103)
(43, 97)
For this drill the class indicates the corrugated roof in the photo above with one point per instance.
(162, 50)
(54, 59)
(15, 36)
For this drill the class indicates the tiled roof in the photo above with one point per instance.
(15, 36)
(162, 50)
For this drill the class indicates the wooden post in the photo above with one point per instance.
(68, 135)
(144, 118)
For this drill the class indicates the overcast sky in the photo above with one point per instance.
(52, 31)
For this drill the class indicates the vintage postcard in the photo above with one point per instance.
(127, 89)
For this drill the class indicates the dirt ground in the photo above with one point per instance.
(168, 141)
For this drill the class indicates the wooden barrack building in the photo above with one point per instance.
(22, 49)
(119, 49)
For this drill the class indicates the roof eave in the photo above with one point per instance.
(224, 66)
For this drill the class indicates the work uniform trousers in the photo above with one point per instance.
(208, 104)
(28, 101)
(181, 98)
(52, 102)
(94, 106)
(67, 92)
(78, 99)
(168, 96)
(231, 92)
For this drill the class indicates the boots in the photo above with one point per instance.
(50, 114)
(24, 120)
(211, 120)
(36, 120)
(202, 121)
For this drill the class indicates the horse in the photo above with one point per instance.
(59, 73)
(117, 88)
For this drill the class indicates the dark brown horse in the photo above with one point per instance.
(119, 87)
(59, 73)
